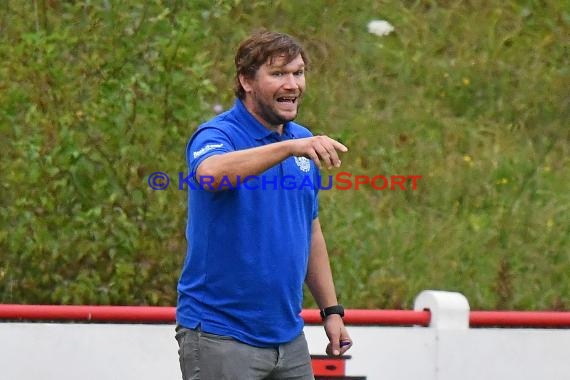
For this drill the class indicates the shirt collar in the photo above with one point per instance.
(257, 129)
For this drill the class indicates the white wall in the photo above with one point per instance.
(70, 351)
(447, 350)
(53, 351)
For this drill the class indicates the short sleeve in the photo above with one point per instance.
(206, 142)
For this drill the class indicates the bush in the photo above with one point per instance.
(473, 96)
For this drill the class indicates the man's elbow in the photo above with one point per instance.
(208, 176)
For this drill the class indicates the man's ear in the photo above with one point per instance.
(245, 83)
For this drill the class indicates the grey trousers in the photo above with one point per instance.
(205, 356)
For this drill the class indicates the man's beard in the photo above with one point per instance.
(271, 115)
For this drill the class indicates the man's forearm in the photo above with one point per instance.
(319, 275)
(242, 163)
(322, 150)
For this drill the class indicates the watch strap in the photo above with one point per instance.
(336, 309)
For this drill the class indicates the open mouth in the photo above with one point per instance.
(287, 99)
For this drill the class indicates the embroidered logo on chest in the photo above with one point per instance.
(303, 163)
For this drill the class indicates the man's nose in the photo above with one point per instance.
(291, 81)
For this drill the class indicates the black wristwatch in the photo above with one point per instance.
(337, 309)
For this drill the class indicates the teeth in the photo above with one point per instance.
(284, 99)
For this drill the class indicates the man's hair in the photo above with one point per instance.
(261, 46)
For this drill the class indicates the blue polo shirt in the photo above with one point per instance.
(248, 245)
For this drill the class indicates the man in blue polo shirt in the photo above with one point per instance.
(254, 238)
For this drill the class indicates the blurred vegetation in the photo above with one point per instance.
(96, 95)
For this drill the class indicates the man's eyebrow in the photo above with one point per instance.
(280, 67)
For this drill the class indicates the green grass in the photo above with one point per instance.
(472, 95)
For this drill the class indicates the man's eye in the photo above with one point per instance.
(277, 74)
(299, 73)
